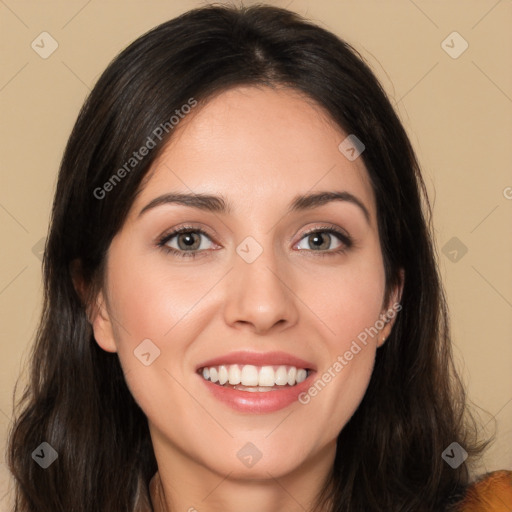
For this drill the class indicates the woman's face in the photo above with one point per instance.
(261, 291)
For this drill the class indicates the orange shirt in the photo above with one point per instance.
(492, 493)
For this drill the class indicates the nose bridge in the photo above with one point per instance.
(259, 291)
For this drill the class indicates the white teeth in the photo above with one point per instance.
(249, 375)
(301, 375)
(266, 377)
(281, 376)
(292, 374)
(223, 375)
(255, 376)
(235, 374)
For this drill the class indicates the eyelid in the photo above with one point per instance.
(176, 230)
(327, 227)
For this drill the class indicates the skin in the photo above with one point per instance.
(259, 148)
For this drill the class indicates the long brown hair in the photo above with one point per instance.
(389, 454)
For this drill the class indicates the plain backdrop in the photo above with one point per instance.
(455, 102)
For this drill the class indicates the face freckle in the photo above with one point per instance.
(260, 282)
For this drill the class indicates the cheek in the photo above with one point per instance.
(148, 299)
(349, 304)
(155, 312)
(151, 329)
(349, 301)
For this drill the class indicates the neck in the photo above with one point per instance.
(182, 485)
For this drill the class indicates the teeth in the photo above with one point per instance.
(235, 374)
(255, 376)
(223, 375)
(292, 374)
(249, 375)
(281, 376)
(301, 375)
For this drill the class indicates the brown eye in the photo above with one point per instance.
(319, 240)
(184, 242)
(325, 241)
(188, 241)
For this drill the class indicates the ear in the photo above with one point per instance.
(101, 323)
(75, 269)
(391, 310)
(97, 314)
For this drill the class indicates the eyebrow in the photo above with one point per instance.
(219, 204)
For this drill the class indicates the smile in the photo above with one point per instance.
(254, 378)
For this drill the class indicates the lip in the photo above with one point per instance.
(258, 402)
(259, 359)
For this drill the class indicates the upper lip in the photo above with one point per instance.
(258, 359)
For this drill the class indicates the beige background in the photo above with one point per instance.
(458, 113)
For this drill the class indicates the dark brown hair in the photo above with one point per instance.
(389, 454)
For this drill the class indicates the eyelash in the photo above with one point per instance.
(342, 237)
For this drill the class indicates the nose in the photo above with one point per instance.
(260, 295)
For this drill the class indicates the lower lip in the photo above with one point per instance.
(258, 401)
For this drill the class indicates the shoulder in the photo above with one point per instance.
(490, 493)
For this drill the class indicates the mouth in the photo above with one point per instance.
(253, 378)
(256, 383)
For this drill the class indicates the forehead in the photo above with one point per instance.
(258, 147)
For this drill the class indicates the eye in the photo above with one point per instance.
(187, 241)
(322, 239)
(184, 241)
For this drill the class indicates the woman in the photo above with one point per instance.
(242, 306)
